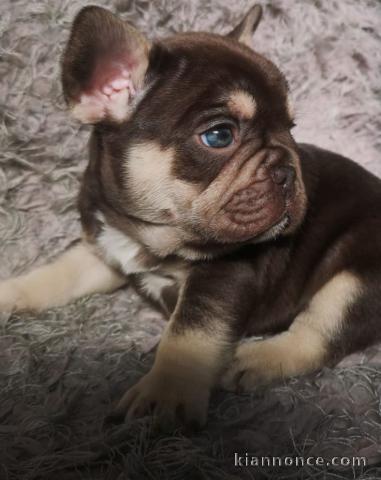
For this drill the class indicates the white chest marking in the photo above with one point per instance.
(119, 250)
(154, 284)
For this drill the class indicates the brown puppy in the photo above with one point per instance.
(196, 189)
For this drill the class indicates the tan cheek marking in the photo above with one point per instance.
(158, 195)
(149, 175)
(242, 105)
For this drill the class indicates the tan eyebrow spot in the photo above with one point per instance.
(242, 104)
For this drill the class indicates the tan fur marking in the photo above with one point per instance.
(149, 170)
(301, 349)
(193, 355)
(242, 104)
(75, 273)
(158, 195)
(161, 240)
(153, 284)
(185, 370)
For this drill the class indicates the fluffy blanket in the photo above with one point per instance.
(61, 370)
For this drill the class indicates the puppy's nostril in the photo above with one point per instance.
(283, 175)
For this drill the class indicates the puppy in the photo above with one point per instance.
(197, 192)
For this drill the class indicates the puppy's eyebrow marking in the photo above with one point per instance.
(242, 104)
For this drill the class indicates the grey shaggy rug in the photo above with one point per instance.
(61, 370)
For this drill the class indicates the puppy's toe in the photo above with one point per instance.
(240, 378)
(126, 402)
(250, 379)
(171, 401)
(188, 410)
(230, 378)
(250, 368)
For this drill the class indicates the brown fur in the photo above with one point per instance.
(263, 236)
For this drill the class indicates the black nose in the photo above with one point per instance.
(283, 175)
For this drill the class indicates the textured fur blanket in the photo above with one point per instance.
(61, 370)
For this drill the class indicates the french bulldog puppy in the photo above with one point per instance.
(197, 192)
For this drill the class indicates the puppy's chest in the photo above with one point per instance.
(154, 276)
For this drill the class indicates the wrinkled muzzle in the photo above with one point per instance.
(251, 195)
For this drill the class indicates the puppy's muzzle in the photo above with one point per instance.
(253, 194)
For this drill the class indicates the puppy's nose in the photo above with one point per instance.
(283, 175)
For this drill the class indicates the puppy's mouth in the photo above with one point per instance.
(274, 231)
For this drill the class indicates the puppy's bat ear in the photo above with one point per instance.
(244, 31)
(103, 66)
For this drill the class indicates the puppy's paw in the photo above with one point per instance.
(11, 296)
(255, 364)
(170, 399)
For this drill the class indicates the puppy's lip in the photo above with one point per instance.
(278, 227)
(275, 230)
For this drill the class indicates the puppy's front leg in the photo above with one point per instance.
(308, 344)
(194, 349)
(75, 273)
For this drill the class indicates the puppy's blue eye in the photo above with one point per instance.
(219, 136)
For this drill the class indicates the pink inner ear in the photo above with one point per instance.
(108, 96)
(112, 77)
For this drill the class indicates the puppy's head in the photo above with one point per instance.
(193, 130)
